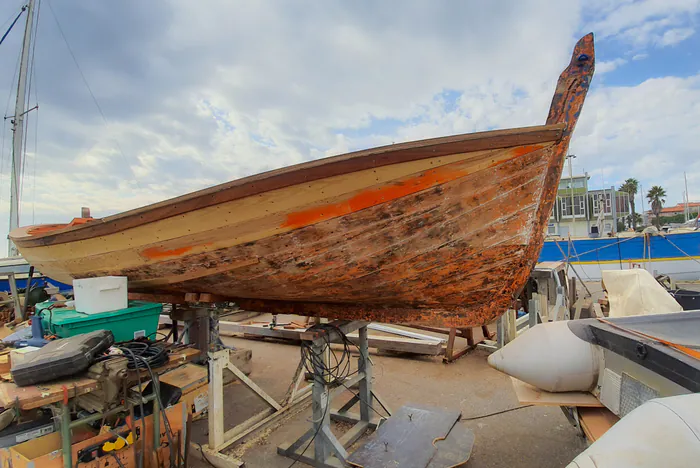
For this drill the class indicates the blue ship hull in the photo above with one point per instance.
(675, 254)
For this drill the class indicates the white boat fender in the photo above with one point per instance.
(551, 357)
(661, 432)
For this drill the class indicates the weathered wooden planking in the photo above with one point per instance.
(300, 174)
(257, 218)
(35, 396)
(455, 449)
(529, 395)
(433, 261)
(228, 240)
(406, 438)
(596, 421)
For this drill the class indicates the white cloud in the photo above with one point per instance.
(644, 23)
(608, 66)
(198, 95)
(650, 132)
(674, 36)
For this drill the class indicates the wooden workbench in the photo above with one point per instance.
(35, 396)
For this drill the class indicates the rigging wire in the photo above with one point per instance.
(12, 15)
(34, 162)
(679, 249)
(31, 86)
(92, 95)
(22, 10)
(7, 109)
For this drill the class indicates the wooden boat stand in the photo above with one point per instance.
(219, 439)
(328, 450)
(200, 314)
(452, 333)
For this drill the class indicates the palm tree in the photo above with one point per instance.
(631, 186)
(656, 195)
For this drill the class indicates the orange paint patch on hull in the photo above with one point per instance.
(159, 253)
(372, 197)
(523, 150)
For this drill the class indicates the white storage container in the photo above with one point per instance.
(101, 294)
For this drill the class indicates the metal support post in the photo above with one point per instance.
(320, 402)
(330, 451)
(364, 366)
(214, 341)
(65, 436)
(156, 422)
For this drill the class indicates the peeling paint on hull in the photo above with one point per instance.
(442, 232)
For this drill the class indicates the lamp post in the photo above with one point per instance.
(571, 186)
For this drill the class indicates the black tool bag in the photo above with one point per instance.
(62, 358)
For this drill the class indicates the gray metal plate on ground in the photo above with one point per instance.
(455, 450)
(406, 439)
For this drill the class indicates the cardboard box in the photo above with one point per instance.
(192, 381)
(45, 452)
(197, 401)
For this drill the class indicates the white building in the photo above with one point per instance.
(579, 211)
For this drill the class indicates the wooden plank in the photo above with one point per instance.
(529, 395)
(596, 421)
(401, 345)
(217, 459)
(217, 362)
(186, 377)
(35, 396)
(450, 343)
(406, 438)
(386, 343)
(401, 332)
(244, 220)
(177, 357)
(298, 174)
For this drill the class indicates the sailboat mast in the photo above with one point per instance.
(18, 128)
(686, 211)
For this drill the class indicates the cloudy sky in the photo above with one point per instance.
(198, 93)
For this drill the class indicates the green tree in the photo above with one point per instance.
(631, 186)
(634, 221)
(656, 195)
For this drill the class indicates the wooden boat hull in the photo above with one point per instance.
(441, 231)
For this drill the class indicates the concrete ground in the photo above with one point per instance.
(530, 437)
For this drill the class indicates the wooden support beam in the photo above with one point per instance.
(218, 459)
(217, 363)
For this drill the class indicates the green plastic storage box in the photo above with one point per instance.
(140, 319)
